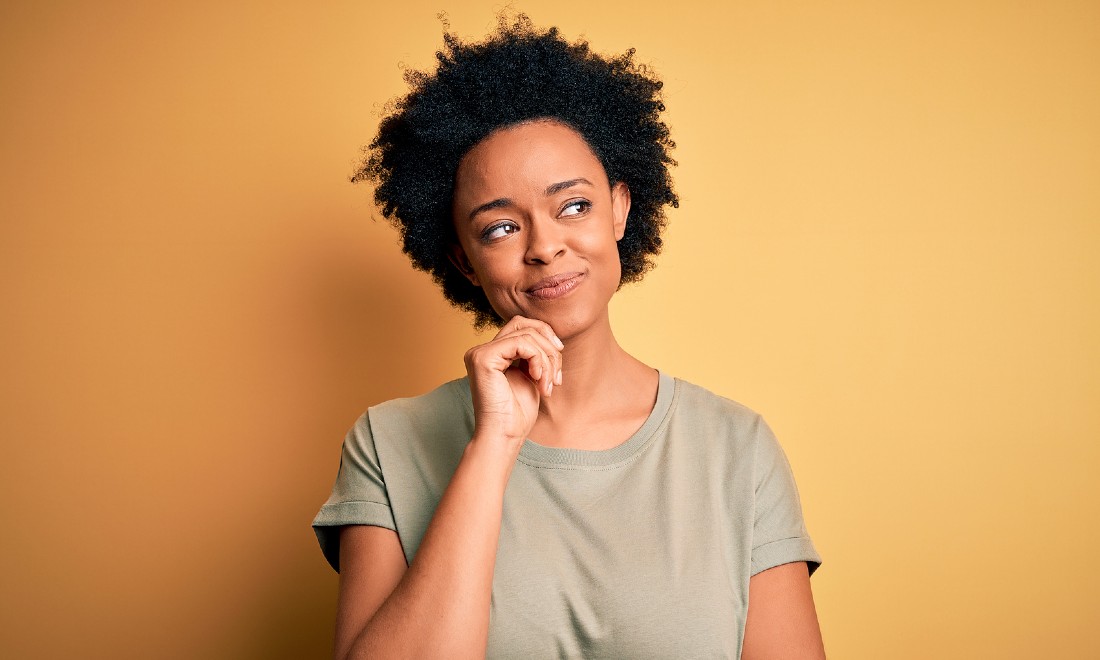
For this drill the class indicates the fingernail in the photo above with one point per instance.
(557, 378)
(557, 342)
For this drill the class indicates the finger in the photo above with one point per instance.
(519, 324)
(545, 334)
(504, 353)
(542, 327)
(526, 347)
(515, 323)
(550, 377)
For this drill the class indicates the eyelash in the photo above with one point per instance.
(583, 203)
(487, 234)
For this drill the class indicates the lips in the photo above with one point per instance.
(555, 286)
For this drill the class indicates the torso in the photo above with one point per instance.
(642, 550)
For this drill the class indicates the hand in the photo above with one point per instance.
(509, 376)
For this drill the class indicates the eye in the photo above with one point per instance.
(576, 207)
(498, 231)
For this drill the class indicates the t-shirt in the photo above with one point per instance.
(643, 550)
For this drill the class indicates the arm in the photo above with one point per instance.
(782, 622)
(371, 565)
(439, 605)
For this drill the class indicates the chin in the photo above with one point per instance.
(569, 316)
(567, 326)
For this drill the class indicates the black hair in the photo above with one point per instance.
(518, 74)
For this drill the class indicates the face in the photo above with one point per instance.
(537, 223)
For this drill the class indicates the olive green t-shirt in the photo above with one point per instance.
(640, 551)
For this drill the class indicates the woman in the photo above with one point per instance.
(564, 499)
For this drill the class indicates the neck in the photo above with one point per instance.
(596, 371)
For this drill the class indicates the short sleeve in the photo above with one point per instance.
(359, 496)
(779, 532)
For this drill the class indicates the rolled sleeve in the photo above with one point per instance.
(359, 496)
(779, 531)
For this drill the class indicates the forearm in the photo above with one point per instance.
(441, 605)
(782, 619)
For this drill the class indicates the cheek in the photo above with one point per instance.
(498, 276)
(604, 245)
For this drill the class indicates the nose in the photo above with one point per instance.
(545, 241)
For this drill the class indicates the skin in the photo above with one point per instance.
(531, 202)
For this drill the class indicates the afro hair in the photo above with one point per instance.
(518, 74)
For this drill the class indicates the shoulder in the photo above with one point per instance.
(723, 426)
(442, 404)
(702, 406)
(425, 425)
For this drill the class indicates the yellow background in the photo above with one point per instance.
(888, 245)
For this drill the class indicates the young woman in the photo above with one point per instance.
(564, 499)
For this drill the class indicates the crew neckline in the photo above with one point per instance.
(536, 455)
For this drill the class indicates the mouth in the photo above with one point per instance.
(555, 286)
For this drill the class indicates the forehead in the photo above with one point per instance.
(527, 156)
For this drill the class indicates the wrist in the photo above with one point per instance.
(494, 453)
(495, 439)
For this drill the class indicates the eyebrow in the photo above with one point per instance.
(552, 189)
(556, 188)
(489, 206)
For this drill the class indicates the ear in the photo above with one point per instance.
(620, 208)
(458, 257)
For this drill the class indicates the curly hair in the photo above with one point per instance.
(517, 74)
